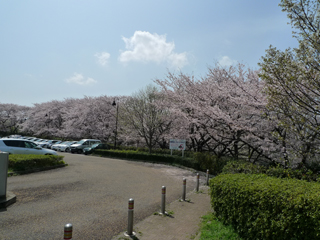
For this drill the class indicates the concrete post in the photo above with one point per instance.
(207, 177)
(184, 188)
(163, 200)
(198, 178)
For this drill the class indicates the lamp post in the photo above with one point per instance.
(116, 131)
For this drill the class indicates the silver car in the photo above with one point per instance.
(22, 146)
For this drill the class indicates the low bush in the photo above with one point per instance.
(243, 167)
(211, 162)
(23, 162)
(144, 156)
(156, 151)
(263, 207)
(278, 171)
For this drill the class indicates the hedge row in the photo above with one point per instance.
(164, 151)
(263, 207)
(23, 162)
(279, 171)
(143, 156)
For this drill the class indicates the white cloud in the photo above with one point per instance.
(103, 58)
(147, 47)
(78, 78)
(225, 61)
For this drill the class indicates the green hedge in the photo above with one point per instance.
(279, 171)
(23, 162)
(263, 207)
(143, 156)
(166, 151)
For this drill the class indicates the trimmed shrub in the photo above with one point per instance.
(22, 162)
(279, 171)
(144, 156)
(263, 207)
(188, 154)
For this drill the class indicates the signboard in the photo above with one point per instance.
(178, 144)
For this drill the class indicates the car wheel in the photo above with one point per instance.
(67, 150)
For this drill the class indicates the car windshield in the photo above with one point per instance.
(80, 142)
(30, 145)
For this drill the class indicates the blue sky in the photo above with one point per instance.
(57, 49)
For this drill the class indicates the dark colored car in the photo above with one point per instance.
(89, 150)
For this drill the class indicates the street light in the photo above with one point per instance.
(116, 131)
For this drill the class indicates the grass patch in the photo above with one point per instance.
(212, 229)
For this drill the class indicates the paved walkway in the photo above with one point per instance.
(92, 194)
(181, 224)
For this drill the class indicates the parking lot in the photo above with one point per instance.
(92, 193)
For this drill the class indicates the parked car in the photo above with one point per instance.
(65, 147)
(50, 143)
(89, 150)
(57, 145)
(22, 146)
(77, 147)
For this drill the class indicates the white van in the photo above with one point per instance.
(84, 143)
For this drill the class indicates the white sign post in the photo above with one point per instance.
(6, 197)
(178, 144)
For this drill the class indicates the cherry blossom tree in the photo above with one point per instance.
(142, 116)
(44, 119)
(224, 111)
(11, 116)
(292, 83)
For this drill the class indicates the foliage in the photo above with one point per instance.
(278, 171)
(22, 162)
(223, 111)
(188, 154)
(212, 229)
(11, 116)
(143, 118)
(262, 207)
(292, 84)
(144, 156)
(243, 167)
(211, 162)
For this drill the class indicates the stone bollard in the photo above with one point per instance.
(207, 177)
(68, 231)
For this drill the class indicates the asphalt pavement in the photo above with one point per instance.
(92, 194)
